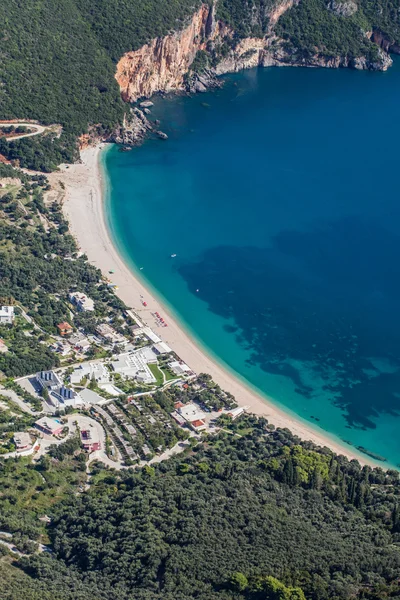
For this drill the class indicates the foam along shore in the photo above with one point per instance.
(83, 207)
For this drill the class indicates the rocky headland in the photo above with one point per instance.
(191, 60)
(168, 64)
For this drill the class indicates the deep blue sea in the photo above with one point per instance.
(279, 193)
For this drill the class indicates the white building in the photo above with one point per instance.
(6, 315)
(180, 368)
(236, 412)
(81, 301)
(161, 348)
(64, 397)
(95, 370)
(134, 366)
(191, 415)
(149, 333)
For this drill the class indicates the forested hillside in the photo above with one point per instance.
(251, 516)
(58, 58)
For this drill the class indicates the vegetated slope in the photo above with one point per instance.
(58, 58)
(123, 25)
(53, 68)
(220, 522)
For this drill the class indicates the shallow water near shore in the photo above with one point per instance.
(279, 196)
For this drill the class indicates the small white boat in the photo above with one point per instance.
(173, 255)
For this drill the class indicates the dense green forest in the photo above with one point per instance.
(254, 515)
(59, 58)
(39, 265)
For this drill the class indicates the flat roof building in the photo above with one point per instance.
(64, 397)
(109, 334)
(48, 380)
(91, 397)
(81, 301)
(6, 315)
(22, 440)
(161, 348)
(90, 439)
(180, 368)
(149, 333)
(49, 426)
(134, 366)
(94, 370)
(236, 412)
(191, 412)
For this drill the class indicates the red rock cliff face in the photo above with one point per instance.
(162, 64)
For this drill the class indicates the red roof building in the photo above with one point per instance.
(198, 425)
(64, 328)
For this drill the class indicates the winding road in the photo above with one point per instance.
(38, 129)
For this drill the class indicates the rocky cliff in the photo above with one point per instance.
(164, 64)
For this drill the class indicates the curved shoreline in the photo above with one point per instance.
(85, 211)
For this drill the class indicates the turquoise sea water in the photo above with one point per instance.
(280, 196)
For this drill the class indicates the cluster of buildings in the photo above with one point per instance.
(134, 365)
(59, 395)
(116, 431)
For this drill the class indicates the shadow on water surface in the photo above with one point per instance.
(323, 302)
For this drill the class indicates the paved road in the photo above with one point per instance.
(38, 129)
(13, 396)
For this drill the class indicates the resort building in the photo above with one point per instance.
(161, 348)
(81, 301)
(236, 412)
(49, 426)
(22, 440)
(64, 397)
(48, 380)
(149, 333)
(90, 439)
(6, 315)
(111, 389)
(96, 371)
(180, 368)
(134, 365)
(189, 414)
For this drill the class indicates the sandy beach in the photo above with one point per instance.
(83, 206)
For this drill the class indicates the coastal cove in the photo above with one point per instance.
(282, 211)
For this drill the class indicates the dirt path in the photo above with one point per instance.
(38, 129)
